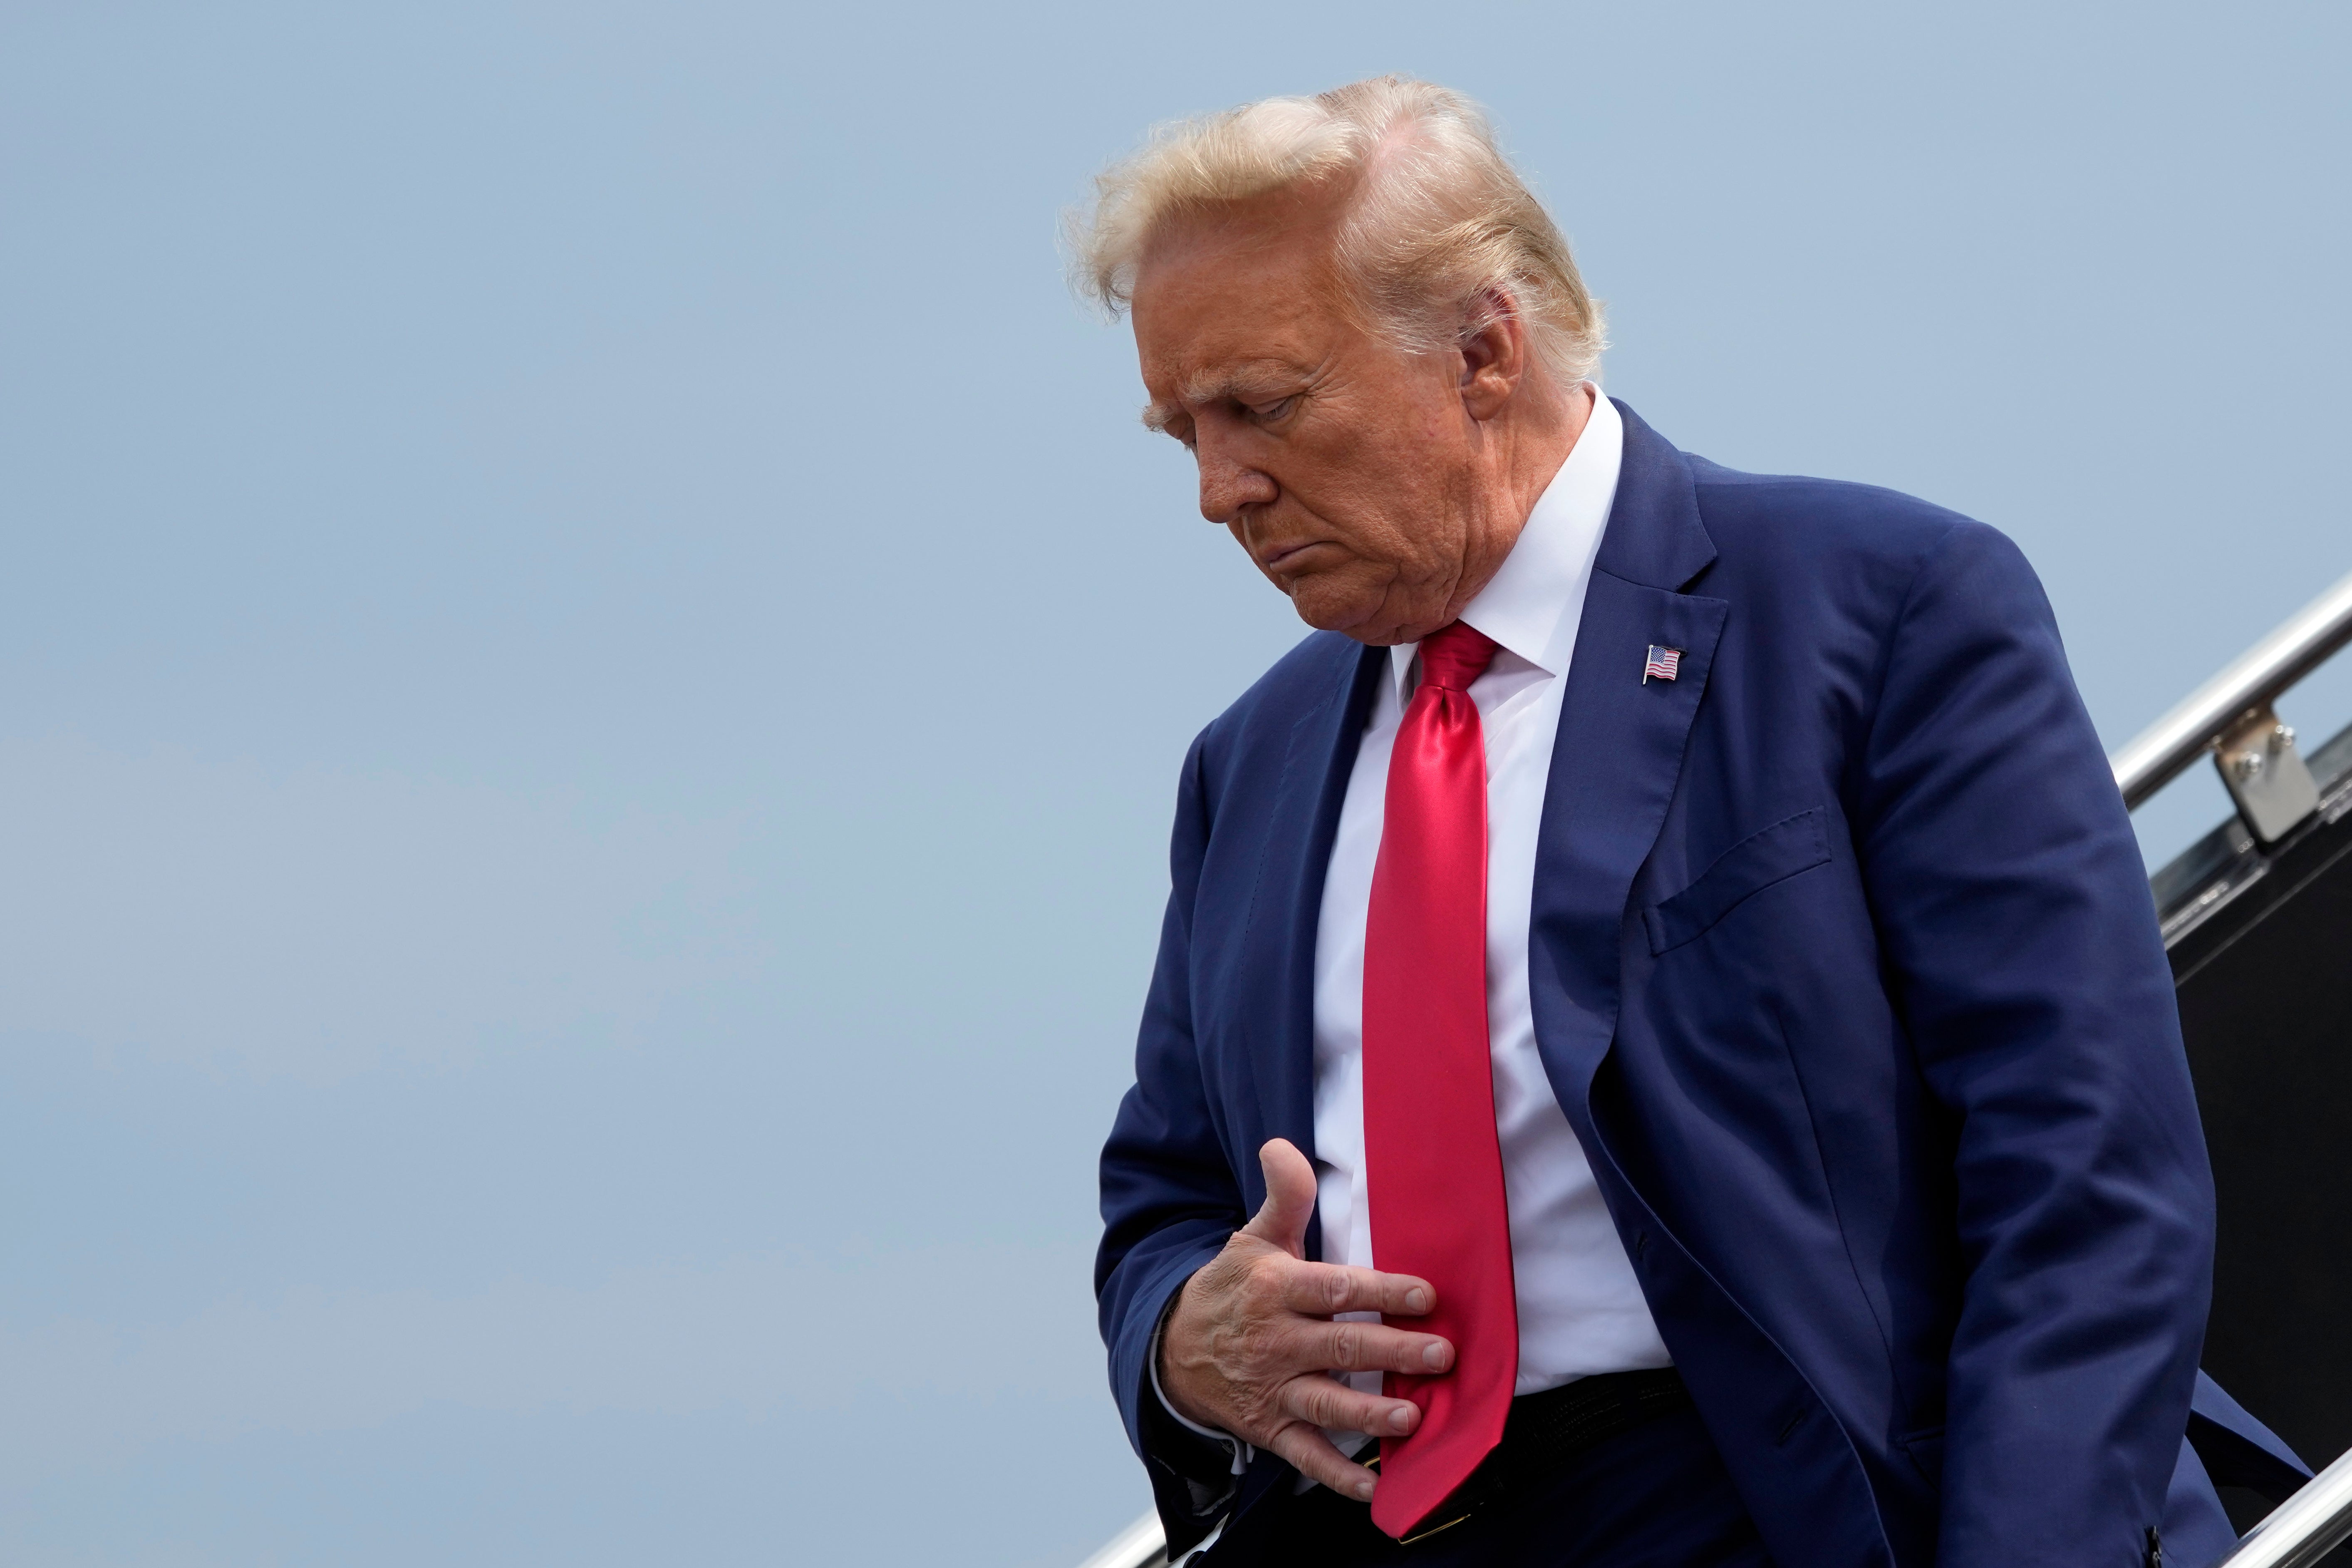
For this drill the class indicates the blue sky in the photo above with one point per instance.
(595, 662)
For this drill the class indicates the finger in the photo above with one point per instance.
(1367, 1347)
(1328, 1402)
(1289, 1197)
(1326, 1290)
(1311, 1454)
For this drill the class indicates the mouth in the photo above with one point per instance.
(1273, 560)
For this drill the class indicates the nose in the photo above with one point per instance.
(1228, 481)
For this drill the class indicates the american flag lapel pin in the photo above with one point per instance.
(1663, 664)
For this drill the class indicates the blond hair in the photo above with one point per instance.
(1439, 239)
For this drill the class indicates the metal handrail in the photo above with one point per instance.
(2304, 1528)
(2295, 1534)
(2302, 643)
(1141, 1545)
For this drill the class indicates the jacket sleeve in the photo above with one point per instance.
(2023, 956)
(1169, 1198)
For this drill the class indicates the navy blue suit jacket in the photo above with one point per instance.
(1846, 974)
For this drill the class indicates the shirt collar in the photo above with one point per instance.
(1525, 605)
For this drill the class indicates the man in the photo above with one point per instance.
(1660, 1021)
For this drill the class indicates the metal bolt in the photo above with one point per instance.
(2247, 766)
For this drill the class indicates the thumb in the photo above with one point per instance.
(1289, 1197)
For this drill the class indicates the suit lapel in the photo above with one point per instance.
(1619, 753)
(1287, 906)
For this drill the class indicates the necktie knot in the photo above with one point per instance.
(1455, 655)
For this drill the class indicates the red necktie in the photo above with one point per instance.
(1432, 1167)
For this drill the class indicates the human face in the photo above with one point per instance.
(1352, 472)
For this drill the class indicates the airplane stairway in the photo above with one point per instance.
(2257, 919)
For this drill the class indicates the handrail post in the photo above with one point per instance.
(2251, 682)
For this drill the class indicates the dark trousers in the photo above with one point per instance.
(1654, 1496)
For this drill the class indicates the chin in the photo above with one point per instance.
(1327, 611)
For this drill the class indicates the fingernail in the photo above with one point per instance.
(1433, 1357)
(1401, 1418)
(1364, 1491)
(1416, 1300)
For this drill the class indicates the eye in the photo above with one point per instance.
(1267, 413)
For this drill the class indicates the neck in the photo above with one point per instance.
(1531, 442)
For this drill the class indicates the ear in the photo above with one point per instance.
(1493, 349)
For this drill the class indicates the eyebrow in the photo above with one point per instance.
(1232, 382)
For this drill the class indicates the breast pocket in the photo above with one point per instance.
(1771, 855)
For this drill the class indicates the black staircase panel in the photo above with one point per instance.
(2261, 954)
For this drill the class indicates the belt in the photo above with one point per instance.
(1544, 1431)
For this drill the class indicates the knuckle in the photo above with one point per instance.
(1303, 1448)
(1290, 1443)
(1331, 1409)
(1261, 1285)
(1347, 1345)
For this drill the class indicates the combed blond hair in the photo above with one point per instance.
(1440, 236)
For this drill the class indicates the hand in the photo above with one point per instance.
(1250, 1343)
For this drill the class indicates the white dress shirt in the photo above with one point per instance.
(1580, 1310)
